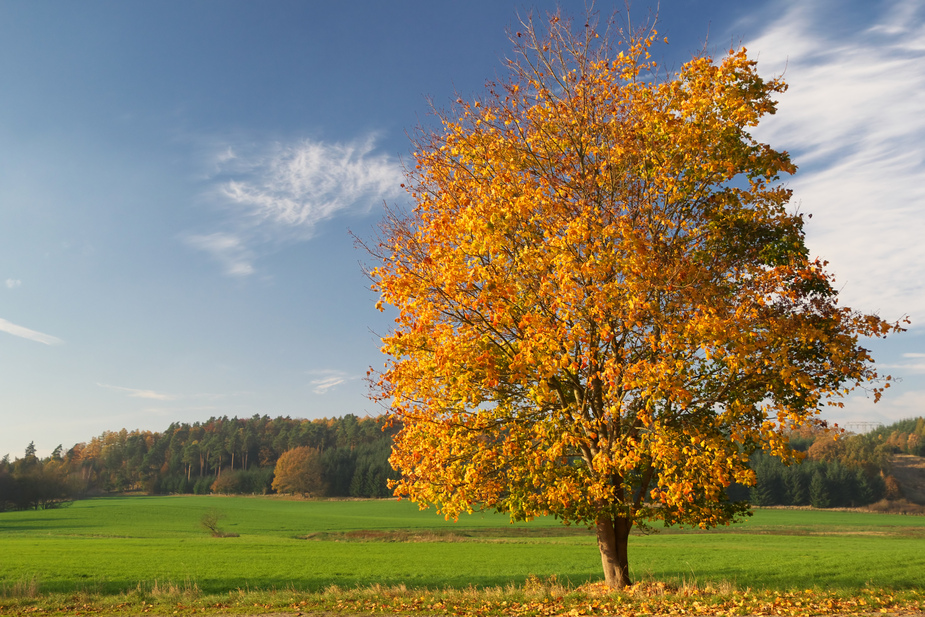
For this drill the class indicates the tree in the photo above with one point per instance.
(819, 496)
(299, 471)
(768, 489)
(865, 491)
(30, 459)
(603, 304)
(795, 486)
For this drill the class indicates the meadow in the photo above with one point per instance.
(111, 546)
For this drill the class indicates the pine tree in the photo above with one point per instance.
(795, 486)
(819, 491)
(865, 492)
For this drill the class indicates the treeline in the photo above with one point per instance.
(236, 456)
(33, 483)
(851, 471)
(820, 484)
(349, 457)
(905, 436)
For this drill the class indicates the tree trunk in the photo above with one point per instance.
(612, 537)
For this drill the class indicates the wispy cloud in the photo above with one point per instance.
(26, 333)
(135, 393)
(915, 364)
(280, 193)
(300, 185)
(853, 121)
(12, 283)
(228, 249)
(891, 408)
(328, 379)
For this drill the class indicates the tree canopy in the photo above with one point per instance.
(604, 303)
(220, 455)
(299, 471)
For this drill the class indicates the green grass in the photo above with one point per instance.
(783, 561)
(179, 516)
(114, 545)
(109, 545)
(791, 549)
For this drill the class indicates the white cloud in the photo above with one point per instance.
(227, 249)
(222, 157)
(890, 409)
(906, 367)
(327, 380)
(26, 333)
(135, 393)
(323, 385)
(281, 193)
(13, 283)
(853, 120)
(303, 184)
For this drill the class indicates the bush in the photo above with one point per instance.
(892, 490)
(226, 484)
(203, 485)
(251, 482)
(210, 522)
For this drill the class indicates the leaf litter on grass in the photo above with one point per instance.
(537, 597)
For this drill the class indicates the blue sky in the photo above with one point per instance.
(178, 181)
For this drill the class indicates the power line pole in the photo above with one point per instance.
(862, 427)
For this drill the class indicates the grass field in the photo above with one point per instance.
(113, 545)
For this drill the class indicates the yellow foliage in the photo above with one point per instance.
(299, 471)
(604, 304)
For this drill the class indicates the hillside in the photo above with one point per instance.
(909, 472)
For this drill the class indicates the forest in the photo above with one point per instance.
(240, 456)
(222, 455)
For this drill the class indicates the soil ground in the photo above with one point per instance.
(909, 471)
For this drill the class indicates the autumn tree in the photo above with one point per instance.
(299, 471)
(604, 305)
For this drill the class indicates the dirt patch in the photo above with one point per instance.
(492, 534)
(909, 472)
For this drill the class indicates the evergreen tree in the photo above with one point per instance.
(795, 486)
(841, 486)
(768, 489)
(819, 491)
(865, 492)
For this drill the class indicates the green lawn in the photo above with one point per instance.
(111, 545)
